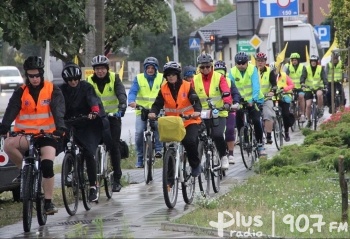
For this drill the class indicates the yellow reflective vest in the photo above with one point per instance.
(314, 81)
(295, 75)
(338, 72)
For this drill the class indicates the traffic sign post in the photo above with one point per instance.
(279, 8)
(324, 35)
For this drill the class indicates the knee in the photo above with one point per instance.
(47, 168)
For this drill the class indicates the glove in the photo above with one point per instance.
(4, 129)
(60, 132)
(235, 107)
(227, 106)
(92, 115)
(121, 110)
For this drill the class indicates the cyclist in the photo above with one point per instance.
(267, 83)
(337, 65)
(81, 99)
(111, 90)
(284, 83)
(144, 91)
(212, 84)
(220, 67)
(174, 96)
(246, 78)
(36, 105)
(316, 80)
(189, 72)
(297, 72)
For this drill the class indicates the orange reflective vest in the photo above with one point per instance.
(34, 117)
(182, 104)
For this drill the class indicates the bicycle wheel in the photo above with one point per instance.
(246, 146)
(294, 111)
(109, 176)
(278, 132)
(84, 183)
(70, 184)
(148, 157)
(40, 201)
(170, 183)
(27, 196)
(99, 176)
(204, 177)
(314, 116)
(189, 184)
(216, 169)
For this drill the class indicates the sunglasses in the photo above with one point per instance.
(73, 79)
(241, 63)
(34, 75)
(203, 67)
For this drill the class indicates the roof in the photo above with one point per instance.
(225, 26)
(203, 6)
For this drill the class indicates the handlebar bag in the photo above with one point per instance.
(171, 128)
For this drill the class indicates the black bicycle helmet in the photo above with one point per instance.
(151, 61)
(100, 60)
(189, 71)
(71, 71)
(241, 57)
(171, 67)
(33, 62)
(220, 65)
(204, 58)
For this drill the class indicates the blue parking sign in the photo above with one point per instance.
(324, 32)
(278, 8)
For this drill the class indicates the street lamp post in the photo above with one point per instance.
(174, 30)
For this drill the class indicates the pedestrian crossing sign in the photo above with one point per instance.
(194, 43)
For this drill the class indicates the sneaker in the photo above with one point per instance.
(116, 186)
(158, 155)
(224, 162)
(93, 195)
(269, 141)
(231, 159)
(302, 118)
(286, 137)
(261, 151)
(50, 208)
(308, 125)
(196, 171)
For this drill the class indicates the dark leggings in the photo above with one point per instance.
(285, 115)
(190, 143)
(230, 127)
(217, 134)
(90, 166)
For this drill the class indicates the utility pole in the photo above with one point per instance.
(279, 35)
(90, 47)
(174, 30)
(310, 14)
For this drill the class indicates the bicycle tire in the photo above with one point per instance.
(277, 132)
(148, 157)
(170, 183)
(204, 177)
(109, 177)
(292, 110)
(314, 117)
(27, 197)
(70, 186)
(40, 201)
(99, 176)
(246, 146)
(216, 169)
(189, 184)
(84, 183)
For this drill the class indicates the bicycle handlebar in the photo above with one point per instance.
(77, 118)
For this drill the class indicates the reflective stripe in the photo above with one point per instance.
(36, 116)
(105, 98)
(178, 111)
(44, 127)
(145, 98)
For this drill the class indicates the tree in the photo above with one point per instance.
(339, 12)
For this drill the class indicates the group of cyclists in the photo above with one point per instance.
(40, 105)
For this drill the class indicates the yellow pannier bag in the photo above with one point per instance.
(171, 128)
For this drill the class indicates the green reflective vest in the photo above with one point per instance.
(295, 75)
(338, 72)
(214, 92)
(146, 96)
(108, 96)
(314, 81)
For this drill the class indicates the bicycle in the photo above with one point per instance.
(212, 172)
(31, 176)
(248, 143)
(74, 173)
(148, 145)
(177, 169)
(315, 111)
(294, 109)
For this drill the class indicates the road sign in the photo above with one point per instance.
(194, 43)
(255, 41)
(245, 46)
(278, 8)
(324, 35)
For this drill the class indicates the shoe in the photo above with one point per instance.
(139, 165)
(158, 155)
(116, 186)
(302, 118)
(261, 151)
(231, 159)
(17, 179)
(308, 125)
(50, 208)
(196, 171)
(93, 195)
(269, 141)
(224, 162)
(286, 137)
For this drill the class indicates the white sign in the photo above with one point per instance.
(133, 69)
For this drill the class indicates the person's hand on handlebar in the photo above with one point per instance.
(152, 116)
(196, 115)
(92, 115)
(132, 104)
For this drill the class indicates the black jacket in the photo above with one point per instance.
(174, 89)
(57, 105)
